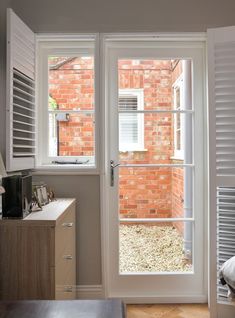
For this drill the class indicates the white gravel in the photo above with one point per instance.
(151, 249)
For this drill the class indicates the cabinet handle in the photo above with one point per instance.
(68, 257)
(67, 224)
(68, 289)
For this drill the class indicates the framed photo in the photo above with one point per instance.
(41, 193)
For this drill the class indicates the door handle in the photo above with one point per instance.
(112, 166)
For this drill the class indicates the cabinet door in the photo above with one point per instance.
(37, 257)
(27, 262)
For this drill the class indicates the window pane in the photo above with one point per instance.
(158, 140)
(178, 124)
(146, 192)
(155, 247)
(72, 135)
(177, 98)
(71, 88)
(157, 78)
(178, 140)
(71, 83)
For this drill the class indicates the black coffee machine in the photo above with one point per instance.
(17, 199)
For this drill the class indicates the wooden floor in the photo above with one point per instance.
(168, 311)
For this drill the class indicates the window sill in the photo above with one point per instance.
(134, 150)
(65, 170)
(177, 158)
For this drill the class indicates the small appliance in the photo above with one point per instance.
(17, 199)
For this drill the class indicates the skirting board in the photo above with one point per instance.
(97, 292)
(163, 300)
(90, 292)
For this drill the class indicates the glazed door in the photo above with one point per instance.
(155, 185)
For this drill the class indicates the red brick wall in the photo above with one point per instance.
(72, 87)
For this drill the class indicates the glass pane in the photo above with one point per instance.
(71, 83)
(72, 134)
(164, 192)
(177, 98)
(178, 140)
(160, 80)
(153, 138)
(155, 247)
(178, 121)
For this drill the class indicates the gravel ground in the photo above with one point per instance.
(151, 249)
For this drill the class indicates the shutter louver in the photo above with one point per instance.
(20, 94)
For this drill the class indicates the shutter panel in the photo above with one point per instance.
(128, 123)
(225, 233)
(221, 67)
(20, 117)
(222, 102)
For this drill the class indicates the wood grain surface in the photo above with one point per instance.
(38, 254)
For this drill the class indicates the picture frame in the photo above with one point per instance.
(2, 167)
(41, 194)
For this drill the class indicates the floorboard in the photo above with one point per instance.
(168, 311)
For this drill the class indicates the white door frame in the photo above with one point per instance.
(196, 41)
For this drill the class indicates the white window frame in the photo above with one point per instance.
(139, 146)
(178, 84)
(79, 45)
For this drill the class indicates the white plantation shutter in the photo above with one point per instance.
(131, 125)
(128, 123)
(20, 118)
(221, 66)
(225, 233)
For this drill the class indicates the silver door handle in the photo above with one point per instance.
(112, 166)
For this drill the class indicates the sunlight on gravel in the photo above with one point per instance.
(151, 249)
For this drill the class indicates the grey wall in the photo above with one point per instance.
(124, 15)
(103, 16)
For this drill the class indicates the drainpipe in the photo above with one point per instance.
(187, 141)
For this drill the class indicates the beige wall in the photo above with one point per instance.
(103, 16)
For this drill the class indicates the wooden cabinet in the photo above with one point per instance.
(38, 254)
